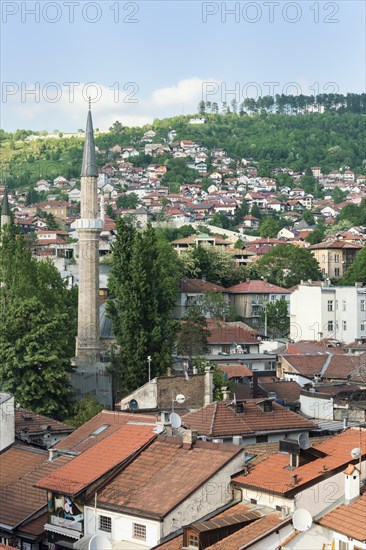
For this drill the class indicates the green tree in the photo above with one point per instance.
(308, 217)
(192, 335)
(286, 265)
(269, 227)
(216, 265)
(144, 283)
(356, 272)
(338, 195)
(84, 410)
(37, 330)
(128, 201)
(278, 320)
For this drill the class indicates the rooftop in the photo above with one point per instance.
(350, 520)
(88, 467)
(258, 287)
(337, 456)
(152, 483)
(219, 419)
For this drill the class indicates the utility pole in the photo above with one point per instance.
(149, 364)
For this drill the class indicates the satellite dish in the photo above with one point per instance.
(175, 420)
(355, 453)
(134, 406)
(304, 441)
(99, 542)
(302, 520)
(180, 398)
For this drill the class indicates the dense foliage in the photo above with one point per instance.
(144, 284)
(37, 330)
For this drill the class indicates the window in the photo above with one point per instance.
(330, 326)
(100, 429)
(105, 523)
(363, 303)
(330, 305)
(253, 501)
(139, 531)
(343, 545)
(344, 325)
(362, 327)
(261, 439)
(344, 305)
(336, 258)
(336, 272)
(193, 540)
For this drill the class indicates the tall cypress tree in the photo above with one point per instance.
(144, 285)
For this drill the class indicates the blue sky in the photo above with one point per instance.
(154, 59)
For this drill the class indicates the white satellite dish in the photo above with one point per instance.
(99, 542)
(304, 441)
(175, 420)
(302, 520)
(355, 453)
(180, 398)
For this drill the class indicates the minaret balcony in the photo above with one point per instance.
(88, 224)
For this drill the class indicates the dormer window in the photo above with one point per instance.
(267, 406)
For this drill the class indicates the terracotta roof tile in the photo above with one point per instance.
(258, 287)
(83, 438)
(13, 509)
(349, 520)
(248, 534)
(223, 333)
(97, 461)
(25, 418)
(17, 462)
(337, 449)
(146, 484)
(199, 285)
(219, 420)
(236, 371)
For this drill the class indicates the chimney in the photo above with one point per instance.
(209, 372)
(351, 483)
(345, 423)
(225, 393)
(189, 437)
(294, 479)
(194, 370)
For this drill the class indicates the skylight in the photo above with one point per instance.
(100, 429)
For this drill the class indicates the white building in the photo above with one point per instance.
(320, 311)
(7, 420)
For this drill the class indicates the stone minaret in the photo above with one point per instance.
(5, 210)
(88, 228)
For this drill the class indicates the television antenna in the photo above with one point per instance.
(302, 520)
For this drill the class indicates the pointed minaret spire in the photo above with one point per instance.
(5, 209)
(89, 167)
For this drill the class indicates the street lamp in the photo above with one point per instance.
(149, 364)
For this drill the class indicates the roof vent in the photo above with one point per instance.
(27, 416)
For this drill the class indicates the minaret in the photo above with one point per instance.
(88, 228)
(5, 210)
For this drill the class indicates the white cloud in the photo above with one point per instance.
(108, 104)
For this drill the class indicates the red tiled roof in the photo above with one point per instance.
(334, 244)
(17, 462)
(223, 333)
(258, 287)
(248, 534)
(199, 285)
(349, 520)
(22, 499)
(219, 420)
(336, 366)
(97, 461)
(83, 438)
(152, 483)
(337, 451)
(37, 422)
(236, 371)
